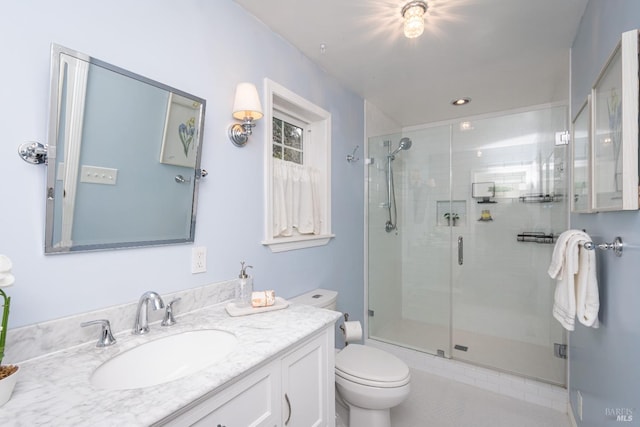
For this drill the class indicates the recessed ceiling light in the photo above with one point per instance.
(460, 101)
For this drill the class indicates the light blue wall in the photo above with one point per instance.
(603, 362)
(205, 48)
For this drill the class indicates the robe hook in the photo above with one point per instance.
(352, 157)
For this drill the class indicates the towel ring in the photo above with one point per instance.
(616, 246)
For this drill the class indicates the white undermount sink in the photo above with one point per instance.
(164, 359)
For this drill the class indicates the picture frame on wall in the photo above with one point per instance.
(614, 129)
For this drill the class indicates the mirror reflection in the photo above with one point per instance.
(124, 158)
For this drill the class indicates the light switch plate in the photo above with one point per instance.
(98, 175)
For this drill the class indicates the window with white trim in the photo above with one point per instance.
(297, 171)
(287, 138)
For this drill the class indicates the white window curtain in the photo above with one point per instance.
(295, 199)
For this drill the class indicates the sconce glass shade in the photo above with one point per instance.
(413, 14)
(247, 102)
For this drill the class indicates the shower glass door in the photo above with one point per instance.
(464, 273)
(502, 295)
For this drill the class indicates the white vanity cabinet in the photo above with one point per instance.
(295, 390)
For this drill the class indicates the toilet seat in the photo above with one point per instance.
(371, 383)
(371, 367)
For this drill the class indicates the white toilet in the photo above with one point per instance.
(369, 381)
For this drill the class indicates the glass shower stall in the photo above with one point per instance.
(461, 223)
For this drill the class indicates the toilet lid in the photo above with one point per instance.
(370, 365)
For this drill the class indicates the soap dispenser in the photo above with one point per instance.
(244, 287)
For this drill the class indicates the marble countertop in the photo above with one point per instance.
(54, 390)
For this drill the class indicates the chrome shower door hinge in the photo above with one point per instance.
(560, 350)
(563, 138)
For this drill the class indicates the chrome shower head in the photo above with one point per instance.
(405, 144)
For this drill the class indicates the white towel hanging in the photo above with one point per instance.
(576, 291)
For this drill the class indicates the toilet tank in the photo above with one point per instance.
(322, 298)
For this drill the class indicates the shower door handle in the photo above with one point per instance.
(460, 250)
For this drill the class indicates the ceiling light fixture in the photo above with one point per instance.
(460, 101)
(413, 14)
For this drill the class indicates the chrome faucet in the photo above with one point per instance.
(141, 326)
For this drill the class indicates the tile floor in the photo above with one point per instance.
(438, 402)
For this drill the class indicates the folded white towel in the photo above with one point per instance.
(558, 258)
(563, 266)
(576, 290)
(587, 295)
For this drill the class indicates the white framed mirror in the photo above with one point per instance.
(123, 158)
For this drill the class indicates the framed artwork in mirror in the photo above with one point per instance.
(180, 138)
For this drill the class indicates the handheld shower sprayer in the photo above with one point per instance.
(392, 222)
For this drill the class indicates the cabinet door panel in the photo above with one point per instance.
(305, 385)
(252, 401)
(251, 407)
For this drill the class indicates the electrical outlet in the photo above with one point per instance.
(579, 399)
(198, 259)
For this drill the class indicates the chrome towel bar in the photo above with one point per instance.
(616, 246)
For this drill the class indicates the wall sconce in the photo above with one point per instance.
(247, 108)
(413, 14)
